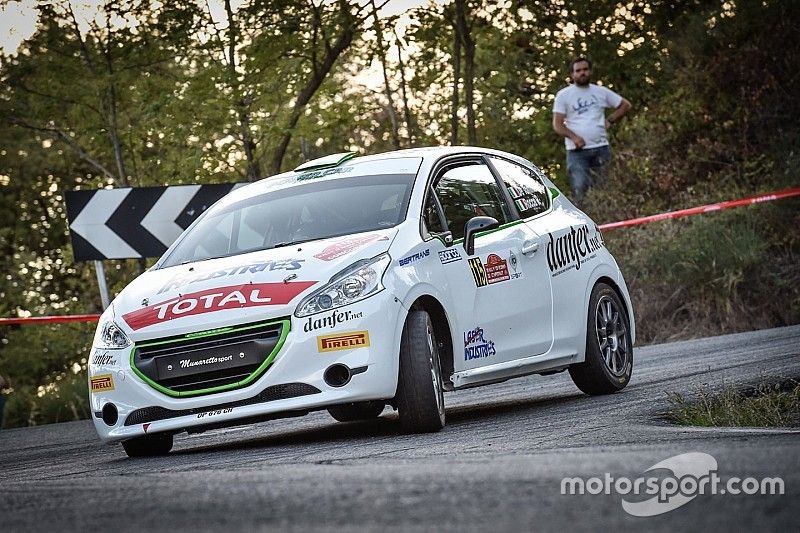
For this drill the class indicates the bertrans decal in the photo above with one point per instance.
(476, 346)
(572, 249)
(212, 300)
(413, 258)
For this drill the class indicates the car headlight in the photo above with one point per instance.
(109, 335)
(358, 281)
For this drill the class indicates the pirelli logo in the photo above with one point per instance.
(101, 383)
(478, 272)
(343, 341)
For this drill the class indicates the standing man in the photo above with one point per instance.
(579, 116)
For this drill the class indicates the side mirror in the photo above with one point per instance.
(474, 226)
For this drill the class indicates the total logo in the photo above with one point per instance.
(218, 299)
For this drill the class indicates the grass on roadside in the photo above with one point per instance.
(766, 405)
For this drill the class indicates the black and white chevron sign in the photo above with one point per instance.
(135, 222)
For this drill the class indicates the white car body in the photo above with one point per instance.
(522, 311)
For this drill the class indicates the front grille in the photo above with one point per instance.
(209, 362)
(275, 392)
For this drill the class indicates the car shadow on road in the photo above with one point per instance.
(387, 425)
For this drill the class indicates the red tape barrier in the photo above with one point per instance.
(48, 319)
(750, 200)
(767, 197)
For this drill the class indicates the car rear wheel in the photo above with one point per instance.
(148, 445)
(609, 350)
(357, 411)
(420, 395)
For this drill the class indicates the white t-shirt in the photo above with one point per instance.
(584, 108)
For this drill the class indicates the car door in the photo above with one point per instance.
(501, 293)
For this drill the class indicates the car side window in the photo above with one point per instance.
(526, 189)
(470, 191)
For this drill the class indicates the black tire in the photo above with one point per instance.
(148, 445)
(609, 350)
(357, 411)
(420, 395)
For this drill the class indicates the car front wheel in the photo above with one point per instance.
(420, 395)
(609, 351)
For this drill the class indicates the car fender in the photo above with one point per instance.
(605, 270)
(416, 292)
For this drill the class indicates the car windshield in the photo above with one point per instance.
(310, 210)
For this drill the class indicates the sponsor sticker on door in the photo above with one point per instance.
(343, 341)
(496, 269)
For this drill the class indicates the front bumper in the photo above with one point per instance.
(293, 382)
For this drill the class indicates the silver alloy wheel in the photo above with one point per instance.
(612, 336)
(433, 350)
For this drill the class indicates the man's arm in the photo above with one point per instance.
(560, 128)
(623, 107)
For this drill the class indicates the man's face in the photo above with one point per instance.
(581, 73)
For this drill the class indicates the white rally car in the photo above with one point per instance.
(353, 283)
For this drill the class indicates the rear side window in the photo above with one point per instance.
(526, 189)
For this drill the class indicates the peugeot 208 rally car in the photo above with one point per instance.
(353, 283)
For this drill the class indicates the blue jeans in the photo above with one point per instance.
(583, 166)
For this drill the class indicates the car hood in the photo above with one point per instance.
(238, 289)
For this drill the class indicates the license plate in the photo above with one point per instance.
(208, 360)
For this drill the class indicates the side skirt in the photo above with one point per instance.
(510, 369)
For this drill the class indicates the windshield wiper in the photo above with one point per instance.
(292, 243)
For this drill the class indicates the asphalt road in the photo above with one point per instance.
(497, 465)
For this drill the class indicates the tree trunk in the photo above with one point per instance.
(469, 69)
(113, 133)
(406, 108)
(318, 74)
(110, 108)
(253, 172)
(456, 79)
(386, 85)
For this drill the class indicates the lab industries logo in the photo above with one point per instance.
(476, 346)
(682, 478)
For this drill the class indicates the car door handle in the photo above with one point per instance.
(530, 247)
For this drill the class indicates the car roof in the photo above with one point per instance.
(436, 152)
(293, 177)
